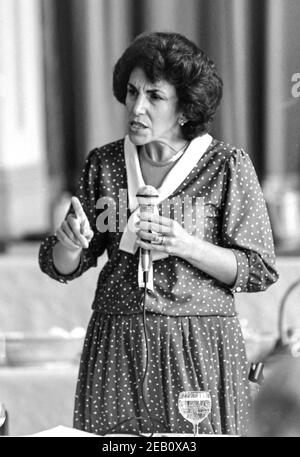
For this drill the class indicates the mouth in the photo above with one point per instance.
(137, 125)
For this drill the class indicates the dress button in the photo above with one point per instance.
(238, 289)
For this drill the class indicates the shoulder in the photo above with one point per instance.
(108, 153)
(228, 151)
(231, 157)
(115, 147)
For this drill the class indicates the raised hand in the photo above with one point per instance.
(75, 231)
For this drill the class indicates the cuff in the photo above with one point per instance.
(47, 264)
(241, 280)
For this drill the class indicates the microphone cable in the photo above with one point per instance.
(150, 418)
(143, 302)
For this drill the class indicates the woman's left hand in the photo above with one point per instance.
(170, 237)
(158, 233)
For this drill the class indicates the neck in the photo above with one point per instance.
(160, 151)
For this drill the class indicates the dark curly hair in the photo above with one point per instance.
(176, 59)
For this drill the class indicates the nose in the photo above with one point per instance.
(139, 106)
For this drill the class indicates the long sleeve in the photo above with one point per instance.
(246, 227)
(87, 192)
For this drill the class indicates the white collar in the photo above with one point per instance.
(174, 178)
(171, 182)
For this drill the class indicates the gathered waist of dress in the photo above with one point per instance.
(116, 302)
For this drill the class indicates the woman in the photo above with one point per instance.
(138, 355)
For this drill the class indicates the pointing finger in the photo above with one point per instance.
(80, 214)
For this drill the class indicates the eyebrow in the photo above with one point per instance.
(154, 90)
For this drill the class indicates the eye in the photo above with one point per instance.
(131, 91)
(154, 96)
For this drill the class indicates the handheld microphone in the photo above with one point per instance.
(147, 198)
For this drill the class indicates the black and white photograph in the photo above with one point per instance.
(150, 221)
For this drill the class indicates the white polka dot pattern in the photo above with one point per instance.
(195, 338)
(236, 218)
(185, 353)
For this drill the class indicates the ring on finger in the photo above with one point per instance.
(159, 239)
(156, 239)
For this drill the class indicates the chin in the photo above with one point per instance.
(137, 139)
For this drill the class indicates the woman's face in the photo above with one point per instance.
(152, 110)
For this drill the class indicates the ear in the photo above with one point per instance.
(182, 120)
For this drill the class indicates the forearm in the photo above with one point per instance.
(216, 261)
(66, 261)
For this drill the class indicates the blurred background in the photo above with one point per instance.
(56, 104)
(56, 101)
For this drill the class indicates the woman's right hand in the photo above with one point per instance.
(75, 231)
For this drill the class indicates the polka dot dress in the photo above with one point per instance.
(185, 353)
(135, 363)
